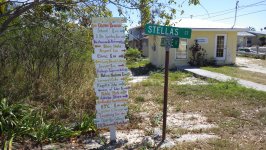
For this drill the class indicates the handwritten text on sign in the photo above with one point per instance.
(109, 58)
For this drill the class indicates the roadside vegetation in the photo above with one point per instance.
(47, 75)
(137, 63)
(236, 110)
(234, 71)
(46, 79)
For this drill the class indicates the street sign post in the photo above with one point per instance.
(174, 42)
(171, 33)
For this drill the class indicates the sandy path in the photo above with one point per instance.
(251, 64)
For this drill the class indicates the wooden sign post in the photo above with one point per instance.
(110, 88)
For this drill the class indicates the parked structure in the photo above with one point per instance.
(245, 39)
(136, 39)
(250, 38)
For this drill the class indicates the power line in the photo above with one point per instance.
(239, 8)
(241, 15)
(211, 13)
(219, 15)
(227, 11)
(255, 3)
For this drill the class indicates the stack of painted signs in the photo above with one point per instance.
(109, 86)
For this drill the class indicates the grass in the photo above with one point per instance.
(231, 112)
(157, 78)
(262, 116)
(156, 119)
(219, 90)
(239, 73)
(140, 99)
(137, 64)
(225, 104)
(172, 76)
(235, 109)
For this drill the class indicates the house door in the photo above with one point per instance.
(220, 47)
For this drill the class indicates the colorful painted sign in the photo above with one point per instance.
(109, 59)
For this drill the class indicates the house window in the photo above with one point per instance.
(181, 52)
(220, 46)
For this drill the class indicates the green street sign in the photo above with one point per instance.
(174, 42)
(153, 29)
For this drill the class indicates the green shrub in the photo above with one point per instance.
(133, 54)
(42, 131)
(11, 122)
(140, 99)
(86, 125)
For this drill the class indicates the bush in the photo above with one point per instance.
(198, 56)
(12, 117)
(133, 54)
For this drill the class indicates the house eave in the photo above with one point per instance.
(257, 33)
(220, 29)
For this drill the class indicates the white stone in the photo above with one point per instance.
(195, 137)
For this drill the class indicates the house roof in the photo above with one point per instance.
(205, 25)
(257, 32)
(244, 34)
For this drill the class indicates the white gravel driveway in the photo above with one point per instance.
(251, 64)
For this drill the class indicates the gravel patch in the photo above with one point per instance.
(189, 121)
(136, 79)
(250, 64)
(136, 138)
(192, 81)
(132, 136)
(195, 137)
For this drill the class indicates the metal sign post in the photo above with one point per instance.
(168, 44)
(171, 41)
(167, 47)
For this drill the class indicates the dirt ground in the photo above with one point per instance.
(251, 64)
(194, 121)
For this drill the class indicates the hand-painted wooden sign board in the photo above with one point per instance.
(110, 87)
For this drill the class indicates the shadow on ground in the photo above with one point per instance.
(145, 70)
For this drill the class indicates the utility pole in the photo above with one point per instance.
(235, 13)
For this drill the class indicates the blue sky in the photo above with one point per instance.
(250, 13)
